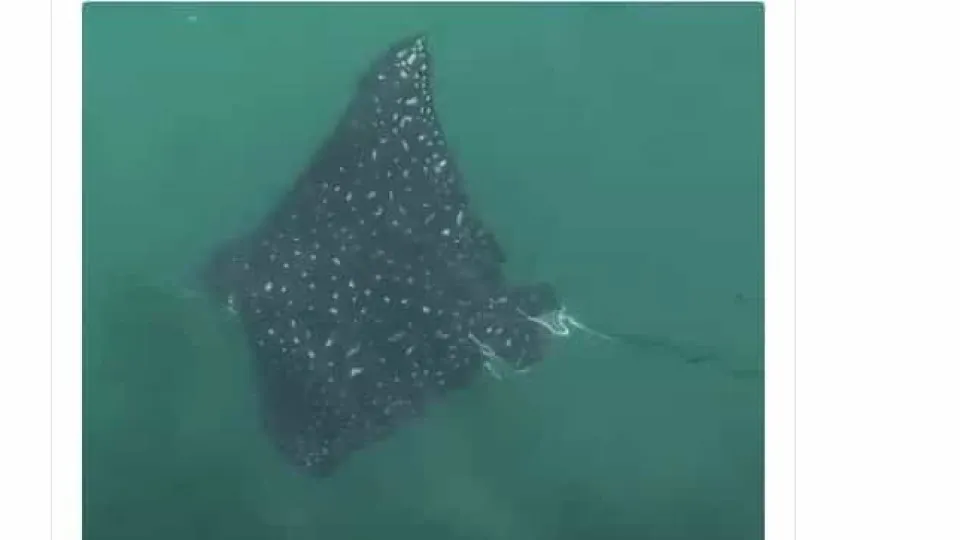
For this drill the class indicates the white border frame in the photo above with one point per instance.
(779, 272)
(25, 407)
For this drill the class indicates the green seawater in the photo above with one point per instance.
(616, 151)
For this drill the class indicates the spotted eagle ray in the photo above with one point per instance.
(373, 288)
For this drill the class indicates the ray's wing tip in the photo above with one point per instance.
(394, 63)
(416, 41)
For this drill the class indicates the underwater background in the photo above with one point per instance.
(617, 152)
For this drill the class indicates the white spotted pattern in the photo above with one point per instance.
(359, 291)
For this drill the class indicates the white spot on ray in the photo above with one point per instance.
(268, 286)
(355, 371)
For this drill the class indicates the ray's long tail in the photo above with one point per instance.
(561, 323)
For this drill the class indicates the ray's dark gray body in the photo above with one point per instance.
(365, 292)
